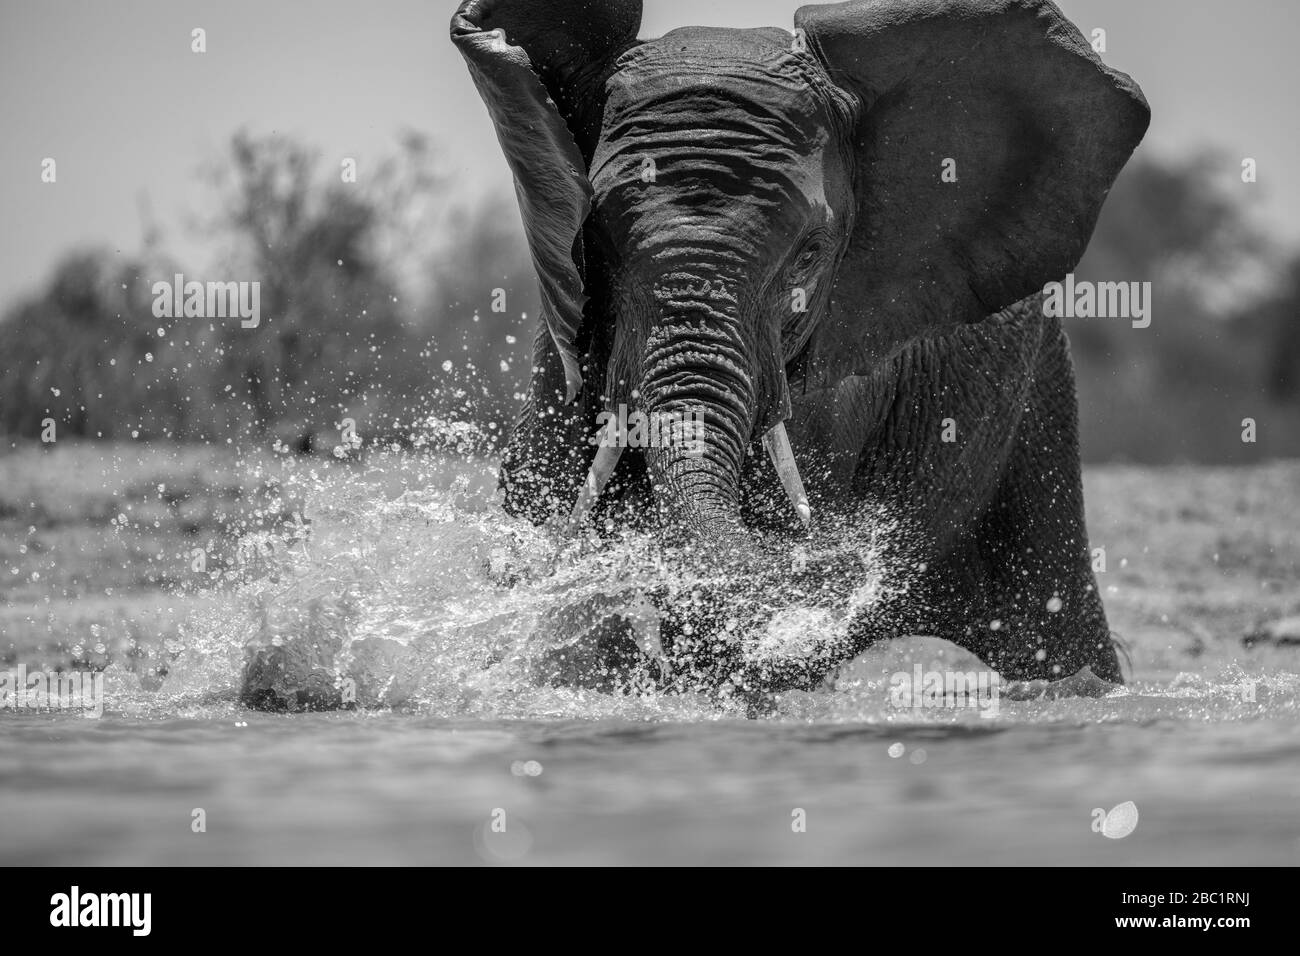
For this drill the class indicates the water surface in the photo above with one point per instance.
(439, 601)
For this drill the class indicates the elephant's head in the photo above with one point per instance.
(719, 216)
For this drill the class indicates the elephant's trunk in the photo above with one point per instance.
(696, 406)
(697, 378)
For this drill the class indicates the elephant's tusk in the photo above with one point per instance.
(598, 476)
(777, 443)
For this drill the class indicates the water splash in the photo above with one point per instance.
(398, 581)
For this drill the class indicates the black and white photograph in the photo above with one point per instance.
(649, 433)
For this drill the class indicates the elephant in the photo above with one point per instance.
(830, 245)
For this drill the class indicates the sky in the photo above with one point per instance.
(111, 90)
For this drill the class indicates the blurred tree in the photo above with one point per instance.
(1282, 316)
(330, 318)
(339, 338)
(1179, 388)
(83, 351)
(484, 313)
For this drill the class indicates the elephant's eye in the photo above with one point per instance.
(808, 257)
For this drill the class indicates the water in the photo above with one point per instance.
(440, 605)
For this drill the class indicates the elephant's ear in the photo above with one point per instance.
(527, 56)
(1004, 96)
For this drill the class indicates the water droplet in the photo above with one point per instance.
(1121, 821)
